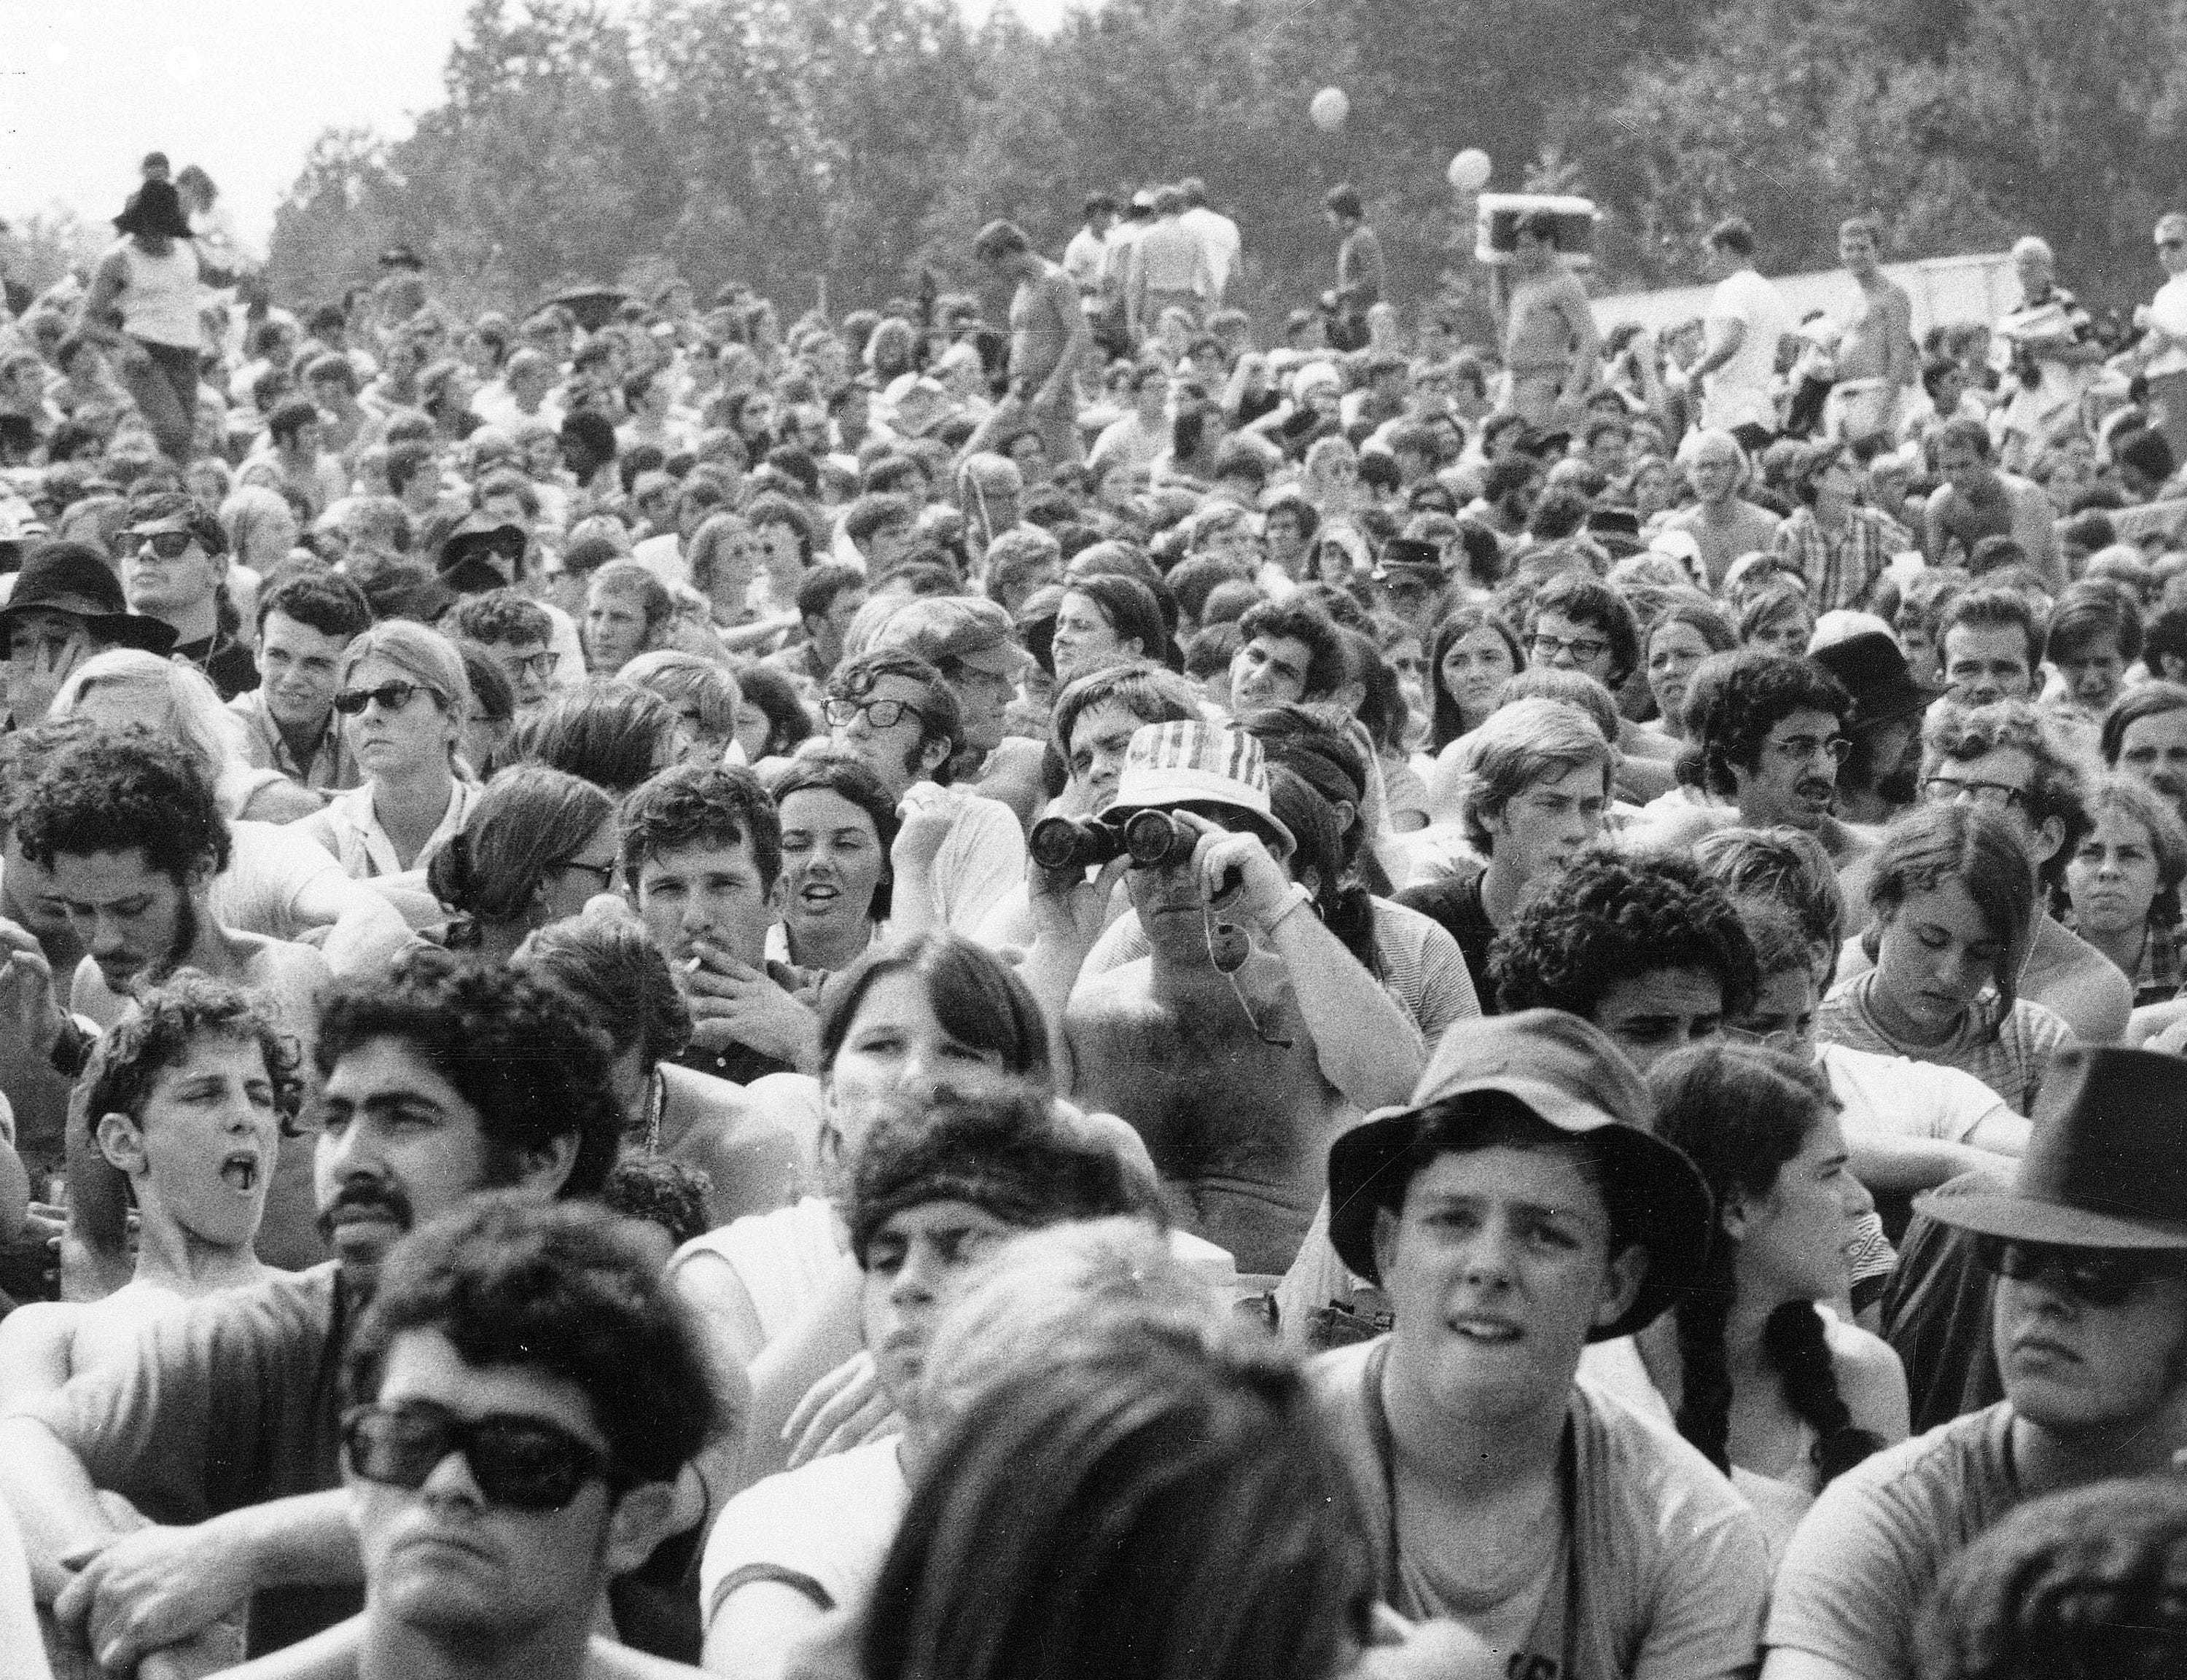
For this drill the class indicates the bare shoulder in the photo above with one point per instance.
(1871, 1381)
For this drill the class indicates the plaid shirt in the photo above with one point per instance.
(2158, 978)
(1841, 570)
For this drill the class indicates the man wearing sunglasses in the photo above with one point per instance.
(500, 1468)
(2087, 1249)
(439, 1082)
(173, 558)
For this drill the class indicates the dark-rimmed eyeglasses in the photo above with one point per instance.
(523, 1464)
(1581, 648)
(879, 714)
(604, 873)
(2171, 244)
(542, 665)
(392, 696)
(1998, 795)
(2098, 1276)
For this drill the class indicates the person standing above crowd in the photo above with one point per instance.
(1048, 338)
(1875, 361)
(1550, 344)
(151, 280)
(1747, 320)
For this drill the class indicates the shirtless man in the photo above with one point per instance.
(1550, 343)
(1243, 1044)
(1723, 522)
(1049, 337)
(130, 834)
(1875, 359)
(186, 1099)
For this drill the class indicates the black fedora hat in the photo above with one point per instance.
(1408, 557)
(2108, 1171)
(1875, 674)
(75, 578)
(155, 208)
(467, 559)
(1566, 1071)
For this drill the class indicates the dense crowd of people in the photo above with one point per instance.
(1099, 989)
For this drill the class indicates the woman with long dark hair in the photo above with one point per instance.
(1471, 654)
(1776, 1393)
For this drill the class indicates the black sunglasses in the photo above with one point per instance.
(2098, 1276)
(523, 1464)
(166, 545)
(603, 873)
(392, 696)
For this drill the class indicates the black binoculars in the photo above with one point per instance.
(1153, 838)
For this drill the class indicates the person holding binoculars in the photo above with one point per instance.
(1249, 1036)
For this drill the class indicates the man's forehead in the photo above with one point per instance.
(391, 1068)
(213, 1052)
(1285, 650)
(712, 858)
(89, 875)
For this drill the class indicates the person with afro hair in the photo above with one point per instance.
(1645, 948)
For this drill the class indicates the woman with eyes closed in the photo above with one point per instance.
(404, 701)
(1952, 902)
(838, 823)
(1776, 1394)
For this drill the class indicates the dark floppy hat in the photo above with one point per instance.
(466, 558)
(1876, 675)
(1570, 1074)
(74, 578)
(2108, 1171)
(1408, 557)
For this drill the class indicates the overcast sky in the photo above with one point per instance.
(242, 86)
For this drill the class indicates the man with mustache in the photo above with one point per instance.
(1771, 733)
(439, 1082)
(126, 836)
(2088, 1254)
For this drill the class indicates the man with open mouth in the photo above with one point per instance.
(438, 1083)
(125, 835)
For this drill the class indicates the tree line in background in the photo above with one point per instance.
(779, 141)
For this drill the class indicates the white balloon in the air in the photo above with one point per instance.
(1470, 170)
(1330, 108)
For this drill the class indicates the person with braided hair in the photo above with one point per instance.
(1643, 946)
(1775, 1393)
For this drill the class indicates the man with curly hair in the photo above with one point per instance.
(1646, 948)
(1770, 732)
(130, 836)
(439, 1082)
(186, 1100)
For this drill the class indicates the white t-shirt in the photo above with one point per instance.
(663, 556)
(1738, 393)
(1916, 1099)
(823, 1529)
(982, 859)
(270, 868)
(784, 1259)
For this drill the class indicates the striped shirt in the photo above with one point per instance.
(1840, 570)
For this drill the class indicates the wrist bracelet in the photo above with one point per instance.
(1299, 896)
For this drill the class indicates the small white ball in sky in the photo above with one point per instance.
(1470, 170)
(1330, 108)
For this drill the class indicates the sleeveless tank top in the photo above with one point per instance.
(158, 303)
